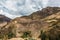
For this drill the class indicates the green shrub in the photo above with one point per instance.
(26, 34)
(11, 35)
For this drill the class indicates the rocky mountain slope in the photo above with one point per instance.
(40, 25)
(4, 20)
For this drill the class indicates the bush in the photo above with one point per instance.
(26, 34)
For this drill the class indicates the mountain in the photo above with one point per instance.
(41, 25)
(4, 20)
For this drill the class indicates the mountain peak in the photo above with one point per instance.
(4, 18)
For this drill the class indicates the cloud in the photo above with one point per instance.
(54, 3)
(16, 8)
(44, 3)
(9, 15)
(20, 7)
(9, 4)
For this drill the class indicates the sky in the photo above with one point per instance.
(18, 8)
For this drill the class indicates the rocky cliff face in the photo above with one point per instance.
(41, 25)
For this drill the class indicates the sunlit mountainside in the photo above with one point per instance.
(40, 25)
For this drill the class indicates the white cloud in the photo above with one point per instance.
(10, 5)
(54, 3)
(15, 8)
(9, 15)
(44, 3)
